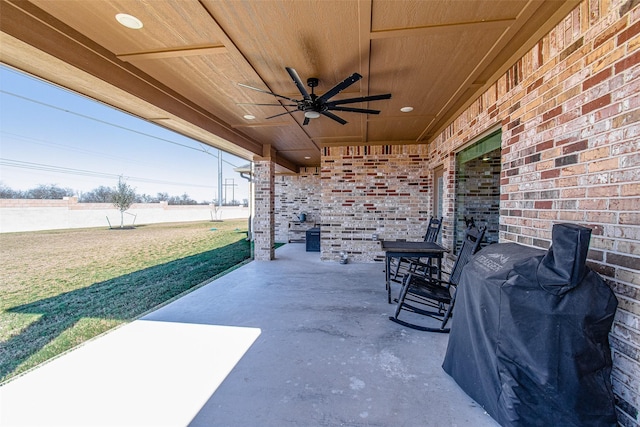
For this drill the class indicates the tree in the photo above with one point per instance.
(101, 194)
(145, 198)
(8, 193)
(50, 191)
(123, 198)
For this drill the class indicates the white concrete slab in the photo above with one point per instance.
(146, 373)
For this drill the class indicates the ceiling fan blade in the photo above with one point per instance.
(354, 110)
(340, 87)
(268, 105)
(298, 82)
(361, 99)
(278, 115)
(334, 117)
(306, 121)
(266, 91)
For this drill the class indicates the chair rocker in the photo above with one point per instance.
(412, 264)
(429, 296)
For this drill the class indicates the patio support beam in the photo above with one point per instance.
(264, 205)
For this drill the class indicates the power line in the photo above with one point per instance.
(44, 142)
(80, 172)
(84, 116)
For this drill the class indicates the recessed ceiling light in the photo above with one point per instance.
(311, 114)
(249, 116)
(406, 109)
(129, 21)
(307, 157)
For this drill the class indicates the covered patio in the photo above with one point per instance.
(519, 114)
(292, 342)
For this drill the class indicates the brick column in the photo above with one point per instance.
(263, 222)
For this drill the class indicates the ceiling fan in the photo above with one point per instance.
(314, 105)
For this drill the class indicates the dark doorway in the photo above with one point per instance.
(478, 187)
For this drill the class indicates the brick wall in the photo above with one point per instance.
(382, 190)
(264, 199)
(296, 194)
(569, 111)
(570, 117)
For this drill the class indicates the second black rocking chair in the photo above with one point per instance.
(428, 296)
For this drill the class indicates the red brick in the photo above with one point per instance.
(596, 103)
(517, 130)
(548, 174)
(627, 62)
(543, 204)
(544, 145)
(532, 159)
(513, 124)
(533, 86)
(578, 146)
(552, 113)
(629, 33)
(597, 79)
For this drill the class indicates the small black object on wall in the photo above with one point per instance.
(313, 239)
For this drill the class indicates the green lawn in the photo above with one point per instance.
(60, 288)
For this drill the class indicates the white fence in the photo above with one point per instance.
(33, 215)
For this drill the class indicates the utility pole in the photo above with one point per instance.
(232, 185)
(219, 177)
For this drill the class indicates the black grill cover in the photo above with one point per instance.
(529, 334)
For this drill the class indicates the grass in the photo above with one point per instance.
(61, 288)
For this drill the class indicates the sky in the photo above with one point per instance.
(49, 135)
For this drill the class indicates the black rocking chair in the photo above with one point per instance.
(428, 296)
(433, 229)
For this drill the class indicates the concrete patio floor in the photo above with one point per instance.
(291, 342)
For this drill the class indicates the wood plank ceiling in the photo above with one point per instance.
(183, 68)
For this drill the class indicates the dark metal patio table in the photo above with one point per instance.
(397, 249)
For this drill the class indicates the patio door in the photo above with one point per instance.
(477, 192)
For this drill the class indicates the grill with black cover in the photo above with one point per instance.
(529, 338)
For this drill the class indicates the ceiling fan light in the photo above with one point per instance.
(311, 114)
(129, 21)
